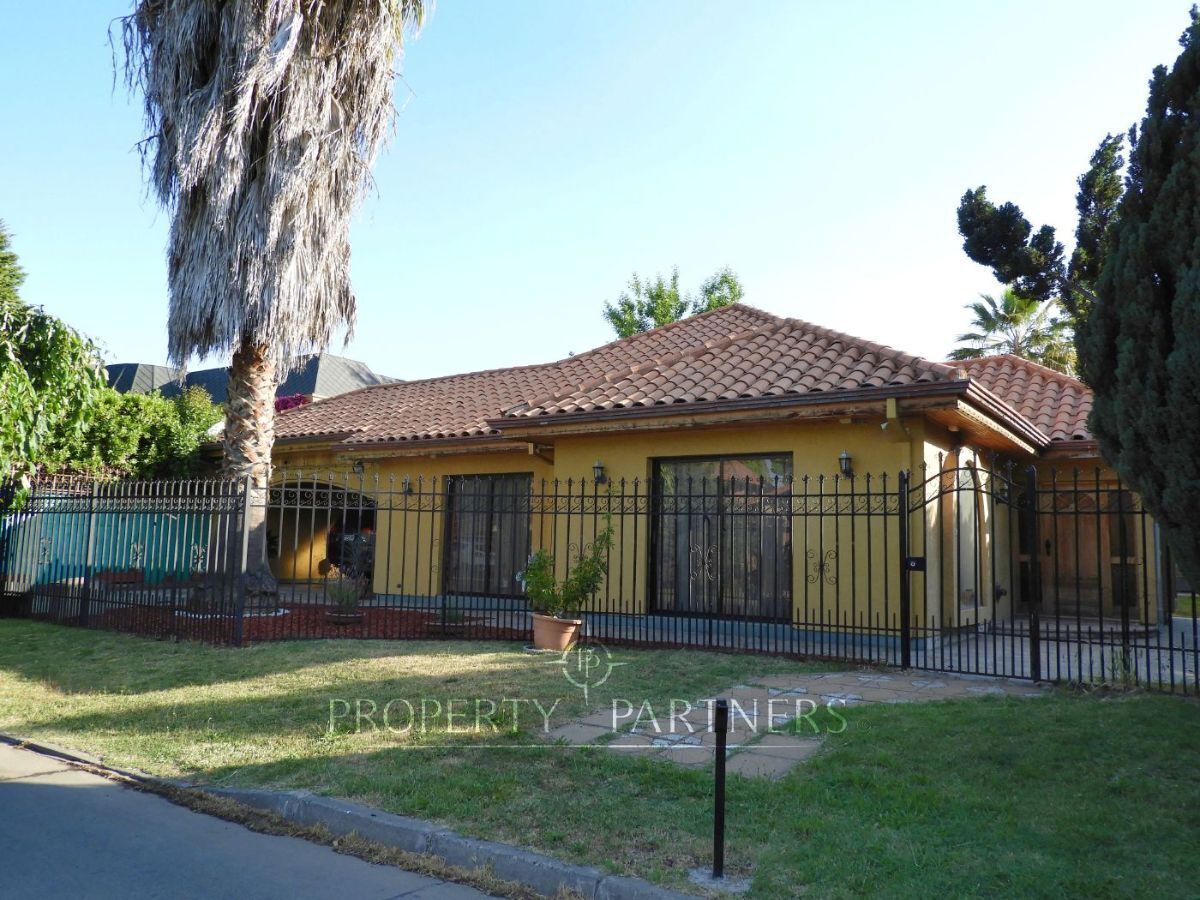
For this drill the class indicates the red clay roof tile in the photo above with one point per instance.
(733, 353)
(1056, 403)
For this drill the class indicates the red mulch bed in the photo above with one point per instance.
(298, 622)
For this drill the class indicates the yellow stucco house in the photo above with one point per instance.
(754, 468)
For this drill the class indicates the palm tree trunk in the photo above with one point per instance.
(249, 436)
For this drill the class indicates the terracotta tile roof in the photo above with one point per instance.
(773, 357)
(459, 406)
(730, 354)
(453, 406)
(1056, 403)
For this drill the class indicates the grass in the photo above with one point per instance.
(1077, 794)
(1187, 605)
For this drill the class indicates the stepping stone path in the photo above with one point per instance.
(776, 722)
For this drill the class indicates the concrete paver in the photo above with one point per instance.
(578, 733)
(633, 744)
(689, 757)
(757, 765)
(786, 746)
(778, 682)
(602, 719)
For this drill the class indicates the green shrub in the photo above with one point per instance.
(141, 435)
(49, 377)
(344, 594)
(551, 598)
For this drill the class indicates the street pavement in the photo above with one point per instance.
(70, 834)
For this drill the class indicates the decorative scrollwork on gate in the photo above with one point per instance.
(199, 558)
(313, 496)
(823, 567)
(45, 546)
(701, 563)
(137, 554)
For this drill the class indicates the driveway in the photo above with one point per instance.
(66, 833)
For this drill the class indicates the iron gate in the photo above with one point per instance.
(1042, 574)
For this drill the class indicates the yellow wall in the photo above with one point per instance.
(862, 568)
(857, 570)
(963, 531)
(409, 526)
(851, 558)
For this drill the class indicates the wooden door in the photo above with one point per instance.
(1090, 562)
(1072, 549)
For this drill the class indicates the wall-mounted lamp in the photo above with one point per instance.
(358, 467)
(846, 464)
(598, 473)
(406, 484)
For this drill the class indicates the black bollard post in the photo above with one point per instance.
(721, 724)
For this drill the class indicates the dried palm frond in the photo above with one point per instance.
(264, 117)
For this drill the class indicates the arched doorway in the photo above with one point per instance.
(317, 527)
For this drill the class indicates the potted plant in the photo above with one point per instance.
(345, 596)
(557, 605)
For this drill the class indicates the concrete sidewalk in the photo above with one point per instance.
(67, 833)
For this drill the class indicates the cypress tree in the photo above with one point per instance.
(1100, 190)
(1139, 348)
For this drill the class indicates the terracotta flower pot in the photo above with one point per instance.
(551, 633)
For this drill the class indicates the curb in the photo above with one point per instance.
(545, 875)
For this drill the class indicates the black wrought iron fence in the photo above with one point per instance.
(150, 557)
(973, 569)
(803, 567)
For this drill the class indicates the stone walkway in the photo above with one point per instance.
(775, 722)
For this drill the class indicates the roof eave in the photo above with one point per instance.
(343, 446)
(997, 409)
(514, 425)
(325, 438)
(1075, 448)
(459, 451)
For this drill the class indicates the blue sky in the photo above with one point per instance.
(547, 150)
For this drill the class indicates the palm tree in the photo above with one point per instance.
(263, 122)
(1021, 326)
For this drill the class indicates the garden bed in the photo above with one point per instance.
(298, 622)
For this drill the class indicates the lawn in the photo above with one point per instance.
(1074, 794)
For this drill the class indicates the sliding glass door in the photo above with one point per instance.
(722, 537)
(487, 534)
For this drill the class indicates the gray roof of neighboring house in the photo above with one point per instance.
(140, 378)
(318, 375)
(323, 375)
